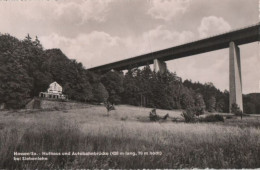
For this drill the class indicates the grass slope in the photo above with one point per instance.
(232, 144)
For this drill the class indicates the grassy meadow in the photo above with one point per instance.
(234, 143)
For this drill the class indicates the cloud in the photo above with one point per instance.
(86, 9)
(97, 47)
(97, 32)
(44, 17)
(93, 48)
(212, 25)
(167, 9)
(161, 37)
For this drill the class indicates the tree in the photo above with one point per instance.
(28, 39)
(132, 92)
(250, 108)
(236, 110)
(187, 101)
(113, 81)
(199, 104)
(146, 82)
(188, 115)
(41, 81)
(26, 69)
(16, 85)
(225, 98)
(220, 106)
(212, 104)
(100, 93)
(37, 43)
(86, 91)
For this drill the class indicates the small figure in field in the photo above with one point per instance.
(109, 107)
(154, 117)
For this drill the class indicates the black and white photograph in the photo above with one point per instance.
(129, 84)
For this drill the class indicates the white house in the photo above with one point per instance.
(55, 88)
(53, 92)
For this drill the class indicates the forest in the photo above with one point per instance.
(26, 69)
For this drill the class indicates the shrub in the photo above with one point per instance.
(199, 105)
(188, 115)
(220, 118)
(198, 110)
(213, 118)
(228, 117)
(236, 110)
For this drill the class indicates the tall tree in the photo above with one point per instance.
(212, 104)
(100, 93)
(16, 85)
(199, 103)
(113, 82)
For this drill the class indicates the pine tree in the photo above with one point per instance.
(28, 40)
(37, 43)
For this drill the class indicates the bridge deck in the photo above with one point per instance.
(242, 36)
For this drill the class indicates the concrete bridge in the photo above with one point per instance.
(229, 40)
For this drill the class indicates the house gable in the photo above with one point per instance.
(55, 88)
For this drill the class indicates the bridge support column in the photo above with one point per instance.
(159, 66)
(235, 79)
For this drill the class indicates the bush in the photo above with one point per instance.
(188, 115)
(229, 117)
(236, 110)
(198, 110)
(213, 118)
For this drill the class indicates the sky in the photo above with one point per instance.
(97, 32)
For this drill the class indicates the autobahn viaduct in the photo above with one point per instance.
(229, 40)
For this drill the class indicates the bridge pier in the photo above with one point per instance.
(235, 79)
(159, 66)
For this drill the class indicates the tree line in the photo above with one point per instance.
(144, 87)
(27, 69)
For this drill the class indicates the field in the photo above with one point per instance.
(234, 143)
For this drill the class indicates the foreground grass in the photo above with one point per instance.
(88, 130)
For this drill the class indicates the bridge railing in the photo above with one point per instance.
(215, 35)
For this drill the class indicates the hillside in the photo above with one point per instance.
(27, 69)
